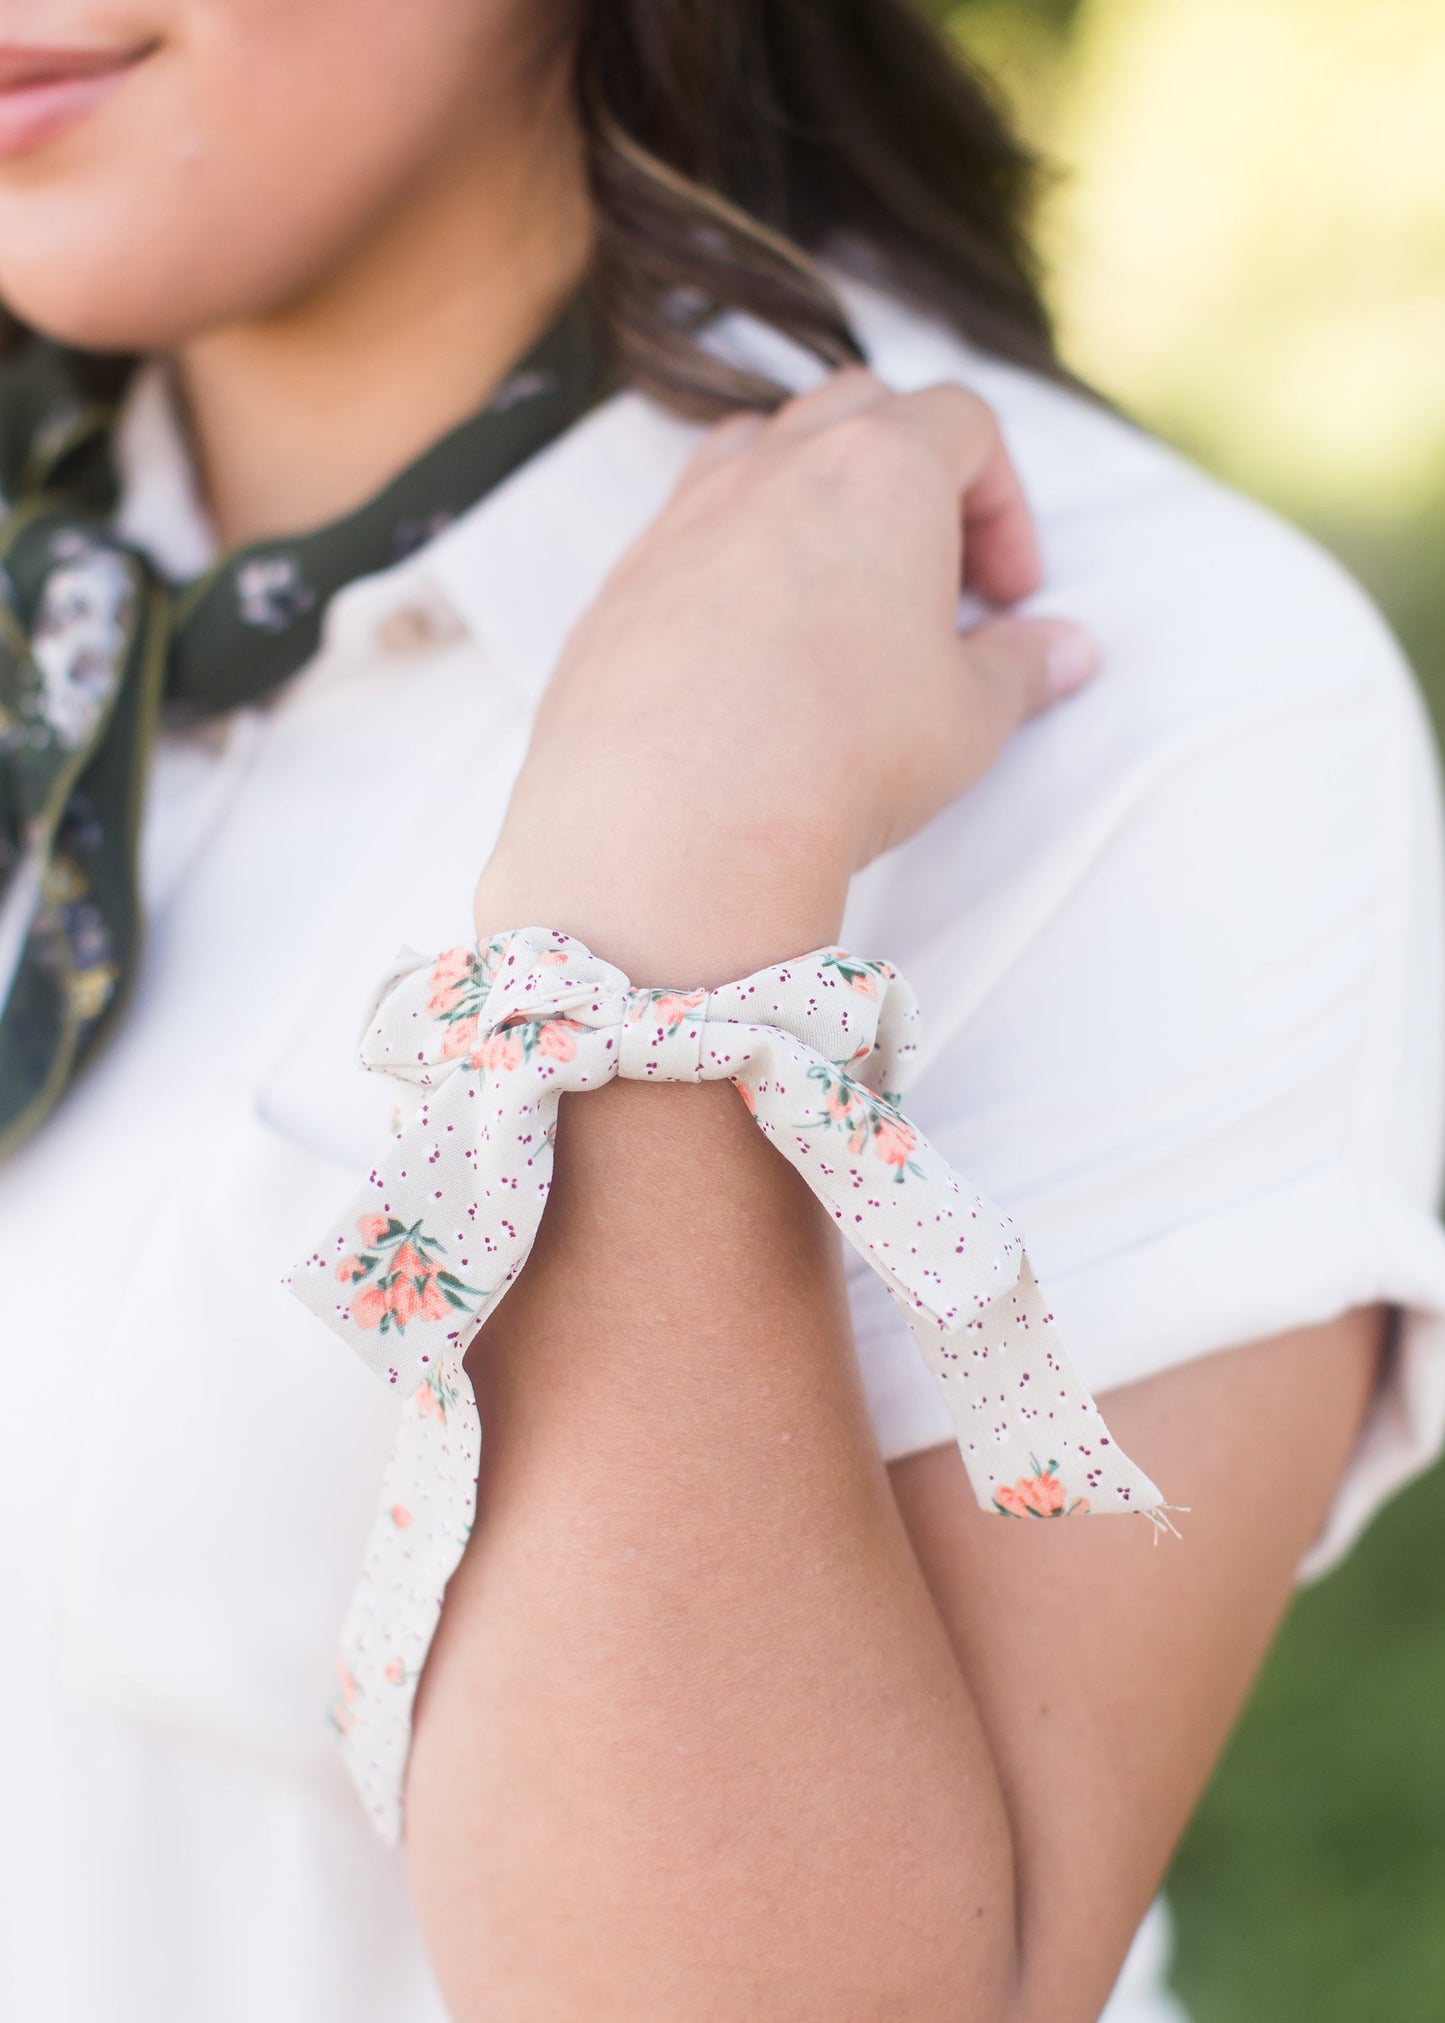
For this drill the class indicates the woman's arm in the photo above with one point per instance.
(705, 1734)
(697, 1741)
(1107, 1674)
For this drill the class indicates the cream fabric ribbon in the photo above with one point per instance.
(489, 1040)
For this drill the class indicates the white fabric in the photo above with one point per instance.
(1181, 955)
(483, 1043)
(1142, 1994)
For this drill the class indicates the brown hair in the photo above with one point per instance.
(731, 143)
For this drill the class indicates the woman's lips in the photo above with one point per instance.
(44, 92)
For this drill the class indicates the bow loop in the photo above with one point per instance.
(420, 1011)
(858, 1014)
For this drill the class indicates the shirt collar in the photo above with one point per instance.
(512, 575)
(523, 565)
(161, 511)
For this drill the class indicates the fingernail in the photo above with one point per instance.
(1070, 659)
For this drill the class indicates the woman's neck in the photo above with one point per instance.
(301, 415)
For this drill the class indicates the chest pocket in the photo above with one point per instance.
(229, 1463)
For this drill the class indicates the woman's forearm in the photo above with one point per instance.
(692, 1742)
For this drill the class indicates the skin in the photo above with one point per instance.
(726, 1720)
(306, 202)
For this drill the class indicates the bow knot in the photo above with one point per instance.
(662, 1037)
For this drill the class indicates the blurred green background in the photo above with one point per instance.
(1245, 238)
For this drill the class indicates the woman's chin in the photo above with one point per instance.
(100, 299)
(116, 269)
(87, 319)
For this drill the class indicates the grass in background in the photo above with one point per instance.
(1311, 1886)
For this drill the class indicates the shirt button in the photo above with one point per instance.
(413, 628)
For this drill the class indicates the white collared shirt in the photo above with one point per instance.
(1180, 963)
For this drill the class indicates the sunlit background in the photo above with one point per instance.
(1246, 243)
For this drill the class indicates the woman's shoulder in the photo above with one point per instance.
(1253, 754)
(1230, 604)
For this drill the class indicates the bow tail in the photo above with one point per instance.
(1032, 1439)
(428, 1503)
(425, 1251)
(1033, 1442)
(406, 1278)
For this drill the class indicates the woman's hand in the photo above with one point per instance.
(771, 688)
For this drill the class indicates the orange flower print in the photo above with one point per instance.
(418, 1292)
(675, 1007)
(839, 1100)
(395, 1673)
(429, 1402)
(400, 1516)
(403, 1300)
(555, 1039)
(1038, 1495)
(342, 1709)
(749, 1101)
(859, 975)
(406, 1263)
(501, 1050)
(407, 1277)
(460, 982)
(861, 1115)
(460, 1037)
(369, 1308)
(451, 966)
(894, 1141)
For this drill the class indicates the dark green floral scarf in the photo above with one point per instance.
(94, 646)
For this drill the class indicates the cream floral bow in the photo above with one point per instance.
(490, 1040)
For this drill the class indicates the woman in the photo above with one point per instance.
(740, 1706)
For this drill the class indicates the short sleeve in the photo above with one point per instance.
(1209, 1081)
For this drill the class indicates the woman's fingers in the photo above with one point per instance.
(852, 390)
(951, 426)
(727, 439)
(852, 484)
(1000, 549)
(1018, 667)
(841, 394)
